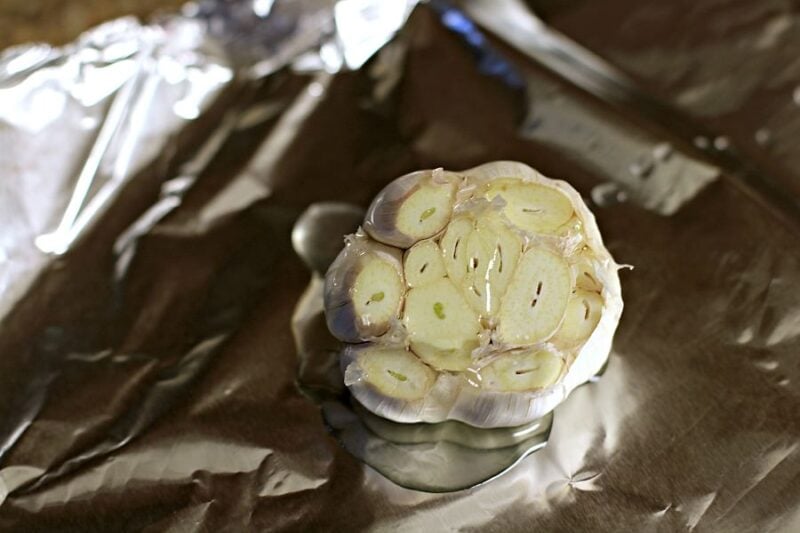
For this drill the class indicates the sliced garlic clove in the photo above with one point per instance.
(454, 247)
(445, 355)
(585, 274)
(492, 253)
(423, 264)
(475, 285)
(363, 290)
(412, 208)
(394, 383)
(581, 318)
(525, 370)
(536, 298)
(396, 372)
(532, 207)
(442, 328)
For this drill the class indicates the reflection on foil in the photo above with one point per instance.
(263, 36)
(103, 95)
(19, 59)
(363, 26)
(261, 8)
(608, 194)
(624, 153)
(69, 227)
(32, 104)
(115, 73)
(583, 130)
(82, 121)
(444, 457)
(318, 234)
(488, 60)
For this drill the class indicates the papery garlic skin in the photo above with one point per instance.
(499, 297)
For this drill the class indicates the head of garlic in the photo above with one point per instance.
(484, 296)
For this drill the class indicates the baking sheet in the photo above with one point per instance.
(148, 372)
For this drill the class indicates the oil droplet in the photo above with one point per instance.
(662, 151)
(608, 194)
(745, 336)
(796, 95)
(89, 122)
(473, 377)
(316, 89)
(701, 142)
(642, 167)
(722, 143)
(763, 136)
(767, 366)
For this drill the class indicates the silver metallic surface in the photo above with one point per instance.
(148, 374)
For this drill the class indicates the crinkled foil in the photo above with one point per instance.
(150, 177)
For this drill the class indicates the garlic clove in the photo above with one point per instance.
(585, 275)
(536, 298)
(524, 370)
(454, 247)
(581, 317)
(492, 253)
(411, 208)
(396, 372)
(532, 207)
(363, 290)
(423, 264)
(442, 328)
(393, 383)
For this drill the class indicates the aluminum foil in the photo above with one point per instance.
(725, 74)
(151, 178)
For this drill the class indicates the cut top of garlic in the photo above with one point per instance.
(495, 280)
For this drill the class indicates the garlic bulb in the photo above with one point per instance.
(484, 296)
